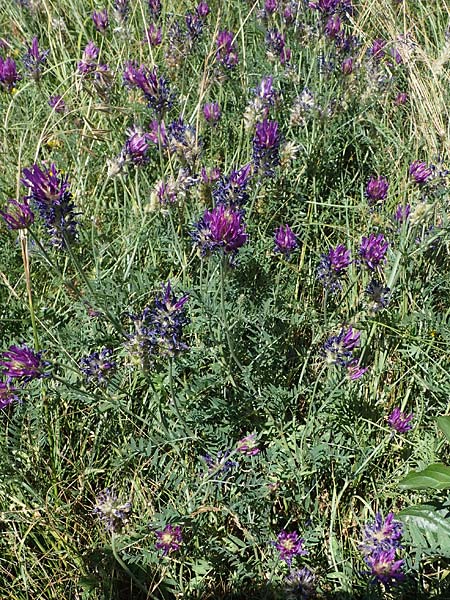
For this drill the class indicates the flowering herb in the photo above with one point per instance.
(378, 294)
(22, 363)
(355, 371)
(338, 349)
(372, 251)
(285, 240)
(57, 103)
(220, 465)
(212, 113)
(50, 194)
(7, 395)
(300, 585)
(333, 266)
(377, 189)
(400, 421)
(266, 147)
(402, 213)
(8, 74)
(169, 539)
(226, 54)
(17, 215)
(111, 511)
(385, 568)
(420, 172)
(98, 366)
(100, 20)
(232, 189)
(248, 445)
(89, 59)
(34, 59)
(155, 89)
(289, 545)
(220, 230)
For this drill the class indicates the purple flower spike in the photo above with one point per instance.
(136, 147)
(402, 213)
(333, 27)
(220, 229)
(169, 539)
(285, 240)
(112, 511)
(8, 74)
(338, 349)
(248, 445)
(289, 545)
(98, 366)
(382, 534)
(154, 88)
(203, 9)
(355, 371)
(212, 113)
(57, 103)
(385, 569)
(373, 250)
(226, 53)
(89, 59)
(50, 194)
(300, 585)
(22, 364)
(377, 189)
(232, 189)
(332, 267)
(153, 35)
(420, 172)
(33, 59)
(347, 66)
(100, 19)
(401, 99)
(154, 7)
(18, 215)
(266, 147)
(7, 395)
(377, 50)
(400, 421)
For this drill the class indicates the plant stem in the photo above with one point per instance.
(223, 267)
(126, 569)
(26, 268)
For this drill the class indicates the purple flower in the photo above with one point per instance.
(401, 99)
(221, 464)
(226, 53)
(89, 59)
(400, 421)
(402, 213)
(382, 534)
(154, 88)
(376, 189)
(373, 250)
(270, 6)
(33, 59)
(378, 294)
(7, 395)
(22, 364)
(97, 366)
(347, 66)
(420, 172)
(169, 539)
(50, 193)
(100, 19)
(333, 26)
(330, 6)
(203, 9)
(285, 240)
(153, 35)
(8, 74)
(159, 329)
(248, 445)
(385, 568)
(275, 41)
(377, 50)
(300, 585)
(233, 188)
(121, 10)
(289, 545)
(266, 92)
(57, 103)
(212, 113)
(136, 147)
(332, 267)
(338, 349)
(220, 229)
(355, 371)
(111, 511)
(266, 147)
(154, 7)
(194, 24)
(18, 215)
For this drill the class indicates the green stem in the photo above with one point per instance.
(26, 268)
(127, 570)
(224, 313)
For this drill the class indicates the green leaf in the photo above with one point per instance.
(428, 528)
(436, 476)
(444, 425)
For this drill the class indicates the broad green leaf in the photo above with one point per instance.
(436, 476)
(444, 425)
(428, 528)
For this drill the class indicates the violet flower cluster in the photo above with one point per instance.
(159, 329)
(290, 545)
(111, 511)
(285, 240)
(19, 366)
(333, 267)
(98, 366)
(226, 53)
(382, 540)
(221, 229)
(266, 147)
(49, 192)
(34, 59)
(400, 421)
(169, 539)
(8, 74)
(155, 88)
(300, 585)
